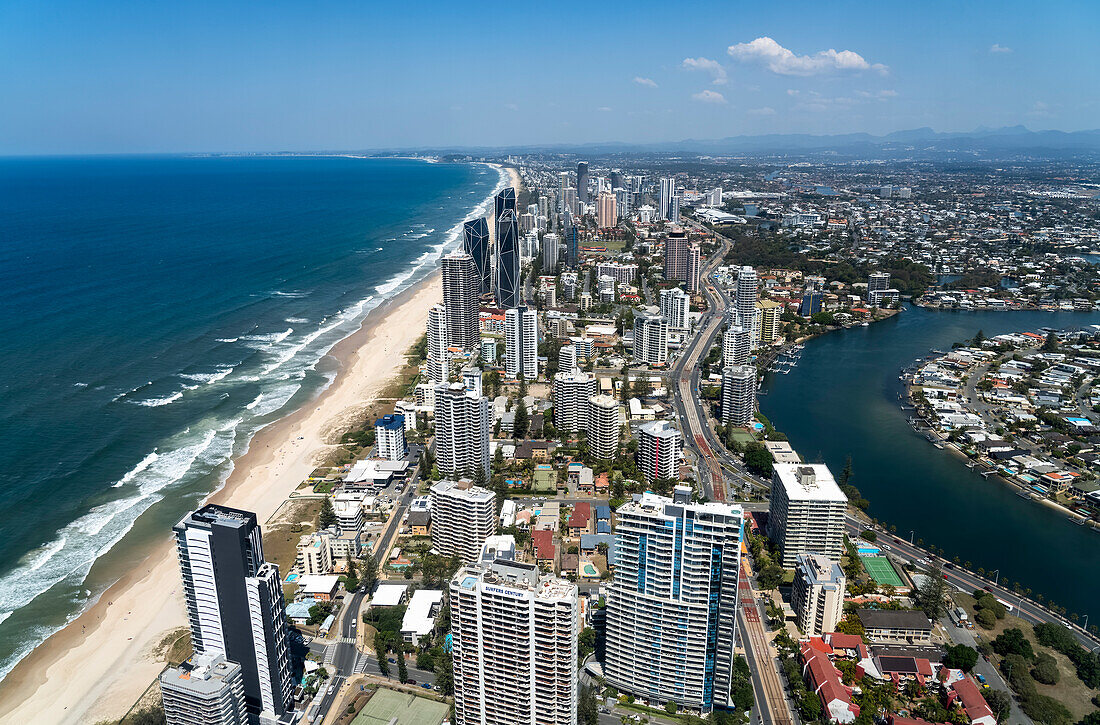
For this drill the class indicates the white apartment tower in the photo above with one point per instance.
(674, 307)
(551, 251)
(461, 288)
(567, 357)
(389, 437)
(521, 343)
(205, 689)
(672, 609)
(817, 595)
(463, 516)
(438, 336)
(658, 454)
(736, 346)
(514, 637)
(603, 427)
(235, 604)
(877, 283)
(745, 300)
(462, 425)
(650, 339)
(571, 391)
(738, 395)
(806, 512)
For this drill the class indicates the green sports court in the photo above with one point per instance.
(386, 705)
(881, 570)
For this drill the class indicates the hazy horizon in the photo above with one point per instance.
(114, 78)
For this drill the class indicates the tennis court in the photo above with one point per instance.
(881, 570)
(408, 709)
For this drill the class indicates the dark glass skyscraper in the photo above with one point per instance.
(235, 603)
(475, 241)
(505, 199)
(582, 182)
(507, 258)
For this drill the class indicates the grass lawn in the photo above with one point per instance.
(1069, 691)
(742, 436)
(386, 705)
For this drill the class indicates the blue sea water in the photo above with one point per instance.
(156, 313)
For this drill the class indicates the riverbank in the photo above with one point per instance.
(99, 664)
(841, 401)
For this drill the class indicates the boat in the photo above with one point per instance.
(866, 324)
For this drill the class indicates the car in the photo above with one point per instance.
(981, 677)
(410, 682)
(391, 660)
(426, 686)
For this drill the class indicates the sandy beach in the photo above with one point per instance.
(100, 664)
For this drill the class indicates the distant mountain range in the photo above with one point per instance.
(1010, 141)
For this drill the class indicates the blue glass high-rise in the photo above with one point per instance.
(507, 259)
(475, 241)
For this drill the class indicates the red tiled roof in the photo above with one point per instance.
(845, 641)
(972, 701)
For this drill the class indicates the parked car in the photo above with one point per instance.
(426, 686)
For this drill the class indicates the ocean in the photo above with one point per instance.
(158, 311)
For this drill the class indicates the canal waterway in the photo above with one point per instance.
(842, 400)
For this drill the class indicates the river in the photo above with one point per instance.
(842, 400)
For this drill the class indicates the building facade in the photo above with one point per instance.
(674, 307)
(461, 289)
(475, 242)
(206, 689)
(736, 346)
(603, 426)
(817, 595)
(463, 423)
(514, 638)
(521, 343)
(235, 604)
(806, 512)
(658, 453)
(672, 608)
(571, 392)
(389, 437)
(463, 516)
(437, 337)
(606, 216)
(650, 339)
(738, 395)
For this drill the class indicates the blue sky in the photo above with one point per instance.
(103, 77)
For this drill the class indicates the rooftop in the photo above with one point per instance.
(808, 482)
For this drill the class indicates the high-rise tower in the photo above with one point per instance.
(475, 242)
(461, 286)
(507, 260)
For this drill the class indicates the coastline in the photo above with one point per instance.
(101, 662)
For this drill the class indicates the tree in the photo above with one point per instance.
(809, 706)
(1012, 641)
(444, 678)
(985, 618)
(670, 707)
(402, 669)
(351, 581)
(1051, 343)
(999, 702)
(519, 428)
(960, 657)
(369, 572)
(758, 459)
(1045, 669)
(587, 708)
(846, 473)
(929, 596)
(327, 517)
(152, 715)
(380, 651)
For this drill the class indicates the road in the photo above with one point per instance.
(967, 581)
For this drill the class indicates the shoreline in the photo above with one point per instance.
(99, 670)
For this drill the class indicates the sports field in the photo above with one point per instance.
(881, 570)
(408, 709)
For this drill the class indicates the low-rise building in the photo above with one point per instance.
(896, 626)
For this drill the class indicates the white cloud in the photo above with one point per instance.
(764, 111)
(880, 95)
(511, 106)
(781, 60)
(998, 48)
(714, 68)
(709, 97)
(604, 109)
(648, 82)
(1039, 109)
